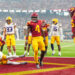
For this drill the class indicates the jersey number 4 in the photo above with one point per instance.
(37, 28)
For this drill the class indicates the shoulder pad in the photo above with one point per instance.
(60, 25)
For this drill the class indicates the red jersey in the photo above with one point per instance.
(45, 29)
(73, 25)
(35, 28)
(72, 10)
(2, 42)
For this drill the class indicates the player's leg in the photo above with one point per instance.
(25, 47)
(28, 49)
(42, 48)
(74, 36)
(8, 42)
(35, 48)
(13, 43)
(14, 48)
(2, 47)
(74, 39)
(46, 43)
(9, 50)
(73, 32)
(58, 43)
(15, 63)
(52, 44)
(29, 43)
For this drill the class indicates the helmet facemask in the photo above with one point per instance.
(34, 19)
(8, 21)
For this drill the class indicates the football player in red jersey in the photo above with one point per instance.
(2, 42)
(72, 14)
(45, 28)
(35, 27)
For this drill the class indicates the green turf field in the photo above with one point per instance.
(67, 49)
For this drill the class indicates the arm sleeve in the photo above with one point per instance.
(61, 32)
(51, 30)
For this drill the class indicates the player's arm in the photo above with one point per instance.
(4, 32)
(15, 30)
(61, 32)
(15, 26)
(43, 33)
(51, 30)
(27, 34)
(48, 28)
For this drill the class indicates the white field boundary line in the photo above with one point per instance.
(55, 48)
(56, 52)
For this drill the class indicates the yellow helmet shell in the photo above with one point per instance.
(9, 18)
(55, 20)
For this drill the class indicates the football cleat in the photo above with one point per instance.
(53, 53)
(37, 66)
(59, 53)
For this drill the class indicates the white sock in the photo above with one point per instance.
(53, 52)
(25, 52)
(14, 53)
(59, 53)
(28, 54)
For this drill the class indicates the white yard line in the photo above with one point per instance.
(66, 46)
(55, 48)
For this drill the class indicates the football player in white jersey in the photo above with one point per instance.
(6, 59)
(27, 43)
(9, 33)
(56, 34)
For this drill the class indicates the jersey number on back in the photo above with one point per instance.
(9, 29)
(37, 28)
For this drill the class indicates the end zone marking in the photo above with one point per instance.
(36, 71)
(41, 70)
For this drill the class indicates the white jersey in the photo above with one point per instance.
(56, 30)
(9, 28)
